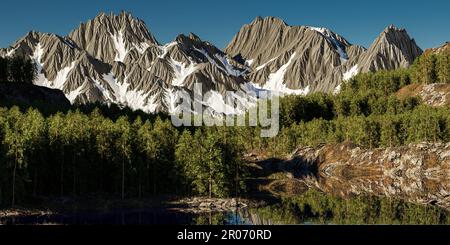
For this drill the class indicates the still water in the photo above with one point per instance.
(311, 207)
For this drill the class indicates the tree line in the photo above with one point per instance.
(367, 111)
(94, 149)
(75, 153)
(17, 69)
(432, 68)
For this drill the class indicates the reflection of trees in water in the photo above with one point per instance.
(318, 208)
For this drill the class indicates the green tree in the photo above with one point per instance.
(29, 71)
(15, 69)
(15, 140)
(137, 156)
(443, 68)
(390, 131)
(76, 133)
(123, 147)
(186, 160)
(57, 142)
(37, 130)
(148, 145)
(23, 135)
(166, 138)
(105, 136)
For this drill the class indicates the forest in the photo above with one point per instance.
(17, 69)
(99, 149)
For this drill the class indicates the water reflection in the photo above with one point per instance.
(314, 207)
(311, 207)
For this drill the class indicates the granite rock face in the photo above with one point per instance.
(115, 59)
(393, 49)
(303, 59)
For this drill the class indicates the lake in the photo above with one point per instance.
(310, 207)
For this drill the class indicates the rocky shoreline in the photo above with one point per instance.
(206, 204)
(16, 212)
(184, 205)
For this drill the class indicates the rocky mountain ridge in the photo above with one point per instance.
(303, 59)
(115, 59)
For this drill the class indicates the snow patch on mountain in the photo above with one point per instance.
(181, 71)
(119, 43)
(172, 98)
(149, 104)
(165, 49)
(337, 89)
(72, 95)
(351, 73)
(61, 77)
(135, 99)
(36, 57)
(228, 67)
(103, 90)
(216, 102)
(276, 81)
(10, 52)
(225, 67)
(41, 80)
(264, 65)
(347, 76)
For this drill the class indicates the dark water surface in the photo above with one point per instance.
(129, 217)
(311, 207)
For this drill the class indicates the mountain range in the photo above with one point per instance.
(116, 59)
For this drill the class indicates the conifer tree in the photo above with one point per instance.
(149, 147)
(443, 68)
(58, 143)
(123, 147)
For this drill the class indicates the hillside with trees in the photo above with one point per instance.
(100, 149)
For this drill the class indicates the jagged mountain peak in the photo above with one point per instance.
(395, 34)
(294, 59)
(123, 19)
(392, 49)
(269, 20)
(194, 41)
(193, 36)
(110, 37)
(183, 38)
(114, 58)
(302, 59)
(393, 28)
(257, 19)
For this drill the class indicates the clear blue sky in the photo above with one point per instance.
(217, 21)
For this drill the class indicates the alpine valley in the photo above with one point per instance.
(116, 59)
(87, 137)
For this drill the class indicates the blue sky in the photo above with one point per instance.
(217, 21)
